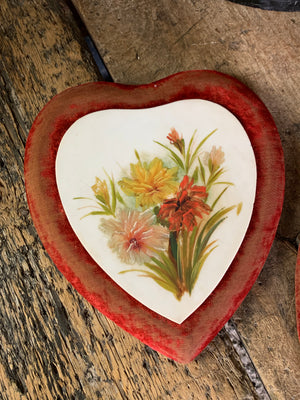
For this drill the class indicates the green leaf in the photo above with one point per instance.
(169, 264)
(218, 198)
(213, 177)
(185, 254)
(159, 271)
(195, 175)
(179, 266)
(174, 156)
(197, 269)
(100, 198)
(96, 213)
(168, 285)
(183, 146)
(224, 183)
(106, 209)
(169, 269)
(177, 161)
(190, 245)
(187, 158)
(82, 198)
(120, 198)
(217, 216)
(156, 210)
(113, 193)
(192, 240)
(173, 244)
(202, 171)
(195, 154)
(210, 167)
(137, 156)
(201, 244)
(130, 270)
(114, 198)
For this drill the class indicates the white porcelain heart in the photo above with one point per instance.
(104, 144)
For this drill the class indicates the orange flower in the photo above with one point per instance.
(100, 189)
(181, 211)
(173, 136)
(134, 237)
(176, 140)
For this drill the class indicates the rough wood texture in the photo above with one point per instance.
(54, 345)
(261, 48)
(266, 322)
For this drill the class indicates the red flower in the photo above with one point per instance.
(181, 211)
(173, 136)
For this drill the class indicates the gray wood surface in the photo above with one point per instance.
(54, 345)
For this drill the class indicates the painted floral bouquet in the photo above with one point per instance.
(159, 216)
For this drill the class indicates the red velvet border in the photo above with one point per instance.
(180, 342)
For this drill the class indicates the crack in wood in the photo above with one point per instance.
(182, 36)
(104, 72)
(245, 358)
(271, 5)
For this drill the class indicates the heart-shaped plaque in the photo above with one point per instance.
(159, 203)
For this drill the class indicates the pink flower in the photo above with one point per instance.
(134, 237)
(215, 158)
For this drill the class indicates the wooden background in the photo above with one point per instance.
(54, 345)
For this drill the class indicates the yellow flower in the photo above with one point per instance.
(150, 183)
(100, 189)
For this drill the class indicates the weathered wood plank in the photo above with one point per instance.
(153, 40)
(267, 324)
(54, 345)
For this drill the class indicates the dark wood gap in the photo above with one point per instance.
(106, 76)
(246, 360)
(271, 5)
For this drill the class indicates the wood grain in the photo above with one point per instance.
(54, 345)
(267, 324)
(262, 49)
